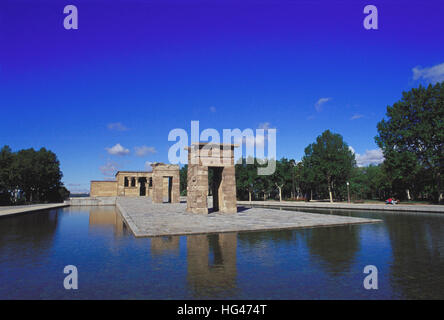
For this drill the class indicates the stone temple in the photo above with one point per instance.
(218, 159)
(161, 184)
(209, 165)
(140, 199)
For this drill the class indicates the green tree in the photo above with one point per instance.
(330, 161)
(307, 178)
(378, 185)
(183, 175)
(37, 174)
(401, 170)
(6, 175)
(282, 176)
(264, 185)
(415, 125)
(246, 178)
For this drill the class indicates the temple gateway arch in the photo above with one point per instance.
(218, 159)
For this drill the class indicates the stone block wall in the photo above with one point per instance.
(130, 191)
(227, 191)
(197, 189)
(103, 189)
(160, 172)
(200, 160)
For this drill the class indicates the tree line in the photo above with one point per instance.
(411, 139)
(328, 164)
(30, 176)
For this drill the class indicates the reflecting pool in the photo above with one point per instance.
(317, 263)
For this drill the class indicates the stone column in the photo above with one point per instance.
(175, 192)
(228, 191)
(197, 189)
(157, 189)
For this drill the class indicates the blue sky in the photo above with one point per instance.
(134, 70)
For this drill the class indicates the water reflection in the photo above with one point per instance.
(334, 249)
(304, 263)
(255, 238)
(164, 245)
(211, 260)
(418, 256)
(20, 234)
(100, 217)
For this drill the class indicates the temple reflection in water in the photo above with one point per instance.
(212, 264)
(107, 217)
(165, 245)
(211, 261)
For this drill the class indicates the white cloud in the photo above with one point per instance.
(117, 126)
(320, 102)
(109, 169)
(356, 116)
(431, 74)
(374, 156)
(144, 150)
(213, 109)
(118, 150)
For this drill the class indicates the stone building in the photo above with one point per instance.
(166, 182)
(218, 158)
(162, 183)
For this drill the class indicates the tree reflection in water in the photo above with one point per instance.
(26, 232)
(418, 255)
(334, 248)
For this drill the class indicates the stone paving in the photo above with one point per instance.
(146, 219)
(10, 210)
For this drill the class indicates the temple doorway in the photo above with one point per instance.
(142, 184)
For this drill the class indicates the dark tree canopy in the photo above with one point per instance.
(6, 174)
(183, 175)
(30, 176)
(412, 137)
(326, 166)
(246, 179)
(329, 161)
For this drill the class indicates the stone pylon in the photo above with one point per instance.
(160, 172)
(219, 158)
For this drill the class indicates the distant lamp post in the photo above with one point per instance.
(348, 191)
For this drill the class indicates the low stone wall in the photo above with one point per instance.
(92, 201)
(348, 206)
(11, 210)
